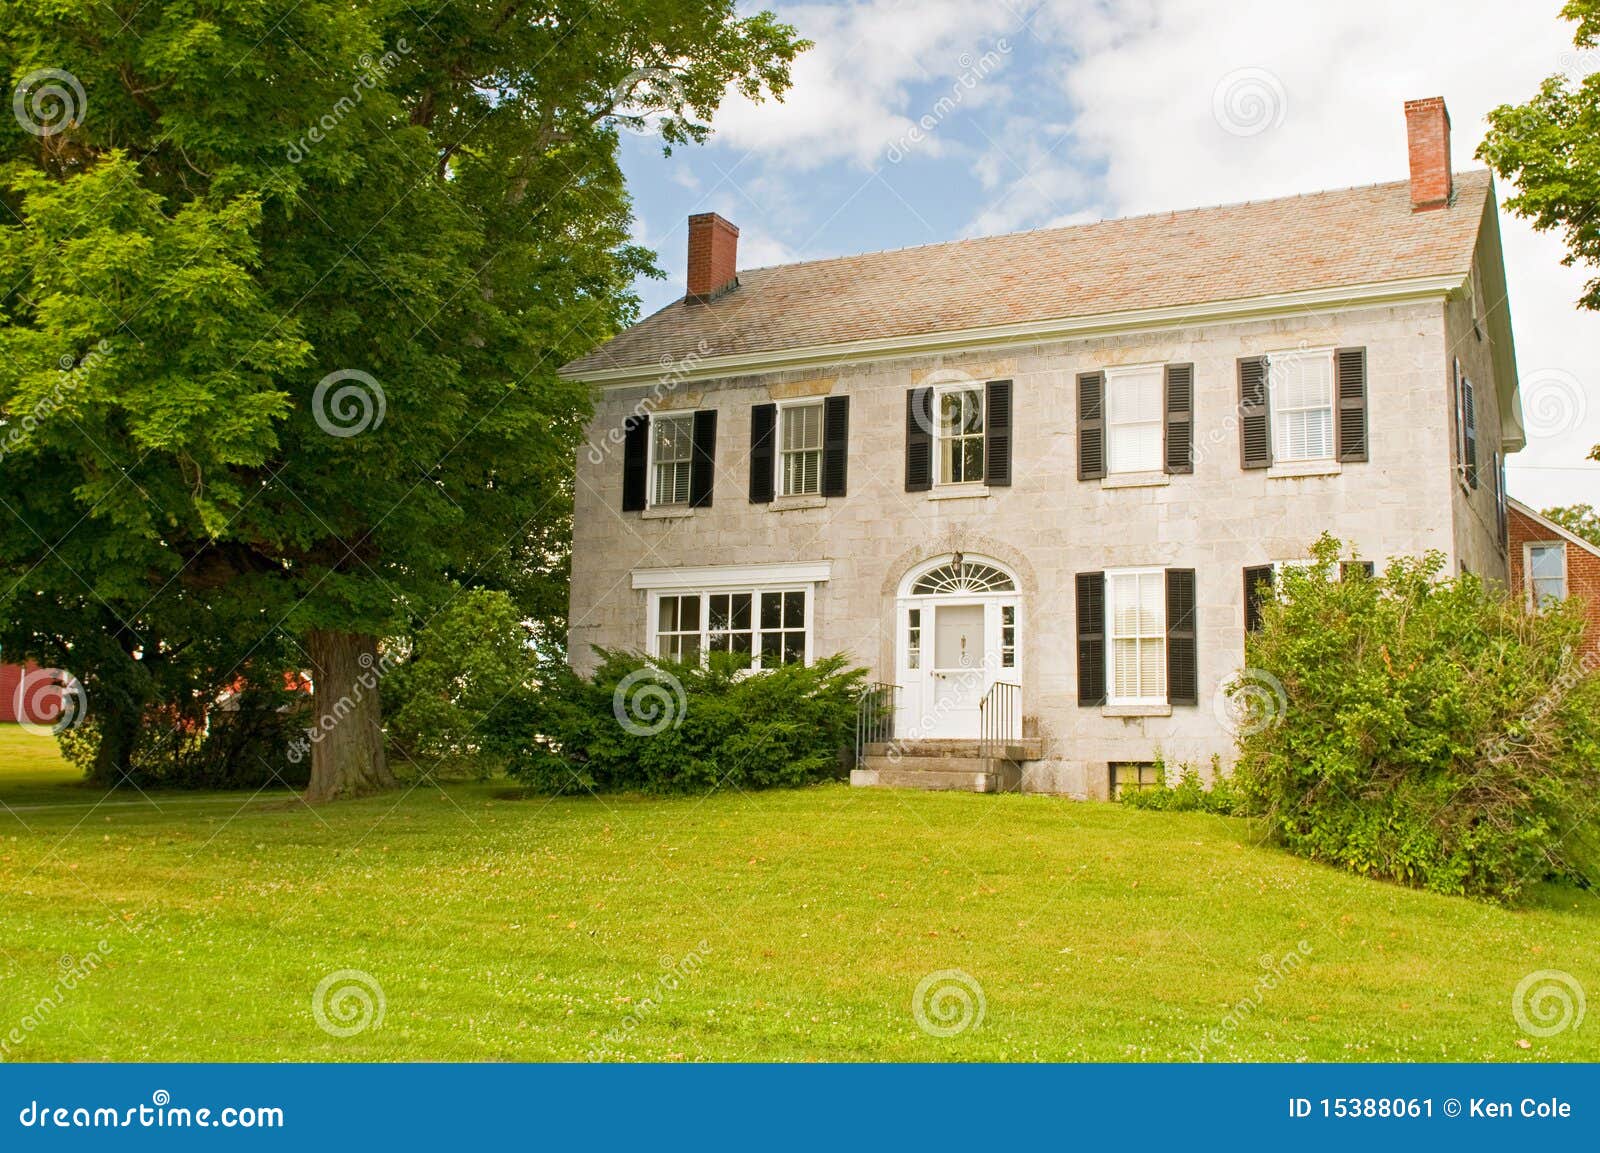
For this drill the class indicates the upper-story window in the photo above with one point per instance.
(959, 431)
(1547, 572)
(672, 458)
(1301, 384)
(800, 457)
(1135, 418)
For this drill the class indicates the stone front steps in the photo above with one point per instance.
(945, 765)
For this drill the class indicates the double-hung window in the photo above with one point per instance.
(1301, 383)
(958, 427)
(671, 455)
(800, 453)
(1136, 627)
(1546, 565)
(769, 625)
(1134, 418)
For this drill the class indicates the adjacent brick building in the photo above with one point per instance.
(1548, 561)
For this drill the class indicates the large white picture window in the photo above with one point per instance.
(1134, 418)
(772, 626)
(1136, 625)
(1301, 386)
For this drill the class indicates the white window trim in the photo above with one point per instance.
(783, 406)
(1274, 409)
(650, 461)
(725, 576)
(1530, 594)
(1123, 371)
(705, 593)
(1112, 700)
(939, 393)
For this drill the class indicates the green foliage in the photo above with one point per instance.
(1579, 519)
(474, 654)
(252, 196)
(1549, 148)
(1432, 731)
(1189, 795)
(659, 727)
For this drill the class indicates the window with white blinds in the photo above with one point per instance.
(1136, 623)
(1134, 418)
(1301, 387)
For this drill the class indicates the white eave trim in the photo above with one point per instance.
(732, 575)
(1030, 332)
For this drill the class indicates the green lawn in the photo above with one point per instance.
(789, 925)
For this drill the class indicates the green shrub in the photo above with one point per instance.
(660, 727)
(1425, 730)
(1189, 795)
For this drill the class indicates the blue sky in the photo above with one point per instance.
(916, 122)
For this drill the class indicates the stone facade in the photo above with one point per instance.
(1048, 525)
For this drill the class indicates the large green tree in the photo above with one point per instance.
(287, 284)
(1550, 148)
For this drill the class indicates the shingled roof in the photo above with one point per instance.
(1325, 240)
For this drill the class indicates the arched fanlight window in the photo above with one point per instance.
(962, 576)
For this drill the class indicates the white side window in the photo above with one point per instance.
(1547, 573)
(1136, 623)
(1134, 418)
(1301, 387)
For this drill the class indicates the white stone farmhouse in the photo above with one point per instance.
(1036, 483)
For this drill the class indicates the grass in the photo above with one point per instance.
(789, 926)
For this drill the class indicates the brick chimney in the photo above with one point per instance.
(713, 256)
(1428, 132)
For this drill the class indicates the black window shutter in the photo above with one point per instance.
(1091, 425)
(1257, 588)
(1180, 418)
(1091, 638)
(763, 443)
(1255, 417)
(919, 440)
(835, 445)
(997, 433)
(635, 462)
(1470, 408)
(1350, 369)
(703, 458)
(1183, 659)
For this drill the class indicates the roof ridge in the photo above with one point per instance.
(1172, 213)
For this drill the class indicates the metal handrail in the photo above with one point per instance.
(997, 718)
(874, 716)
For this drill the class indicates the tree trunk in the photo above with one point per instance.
(118, 732)
(347, 757)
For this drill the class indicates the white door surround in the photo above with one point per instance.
(958, 630)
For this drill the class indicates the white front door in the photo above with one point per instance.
(951, 651)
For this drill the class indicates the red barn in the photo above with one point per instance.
(1550, 561)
